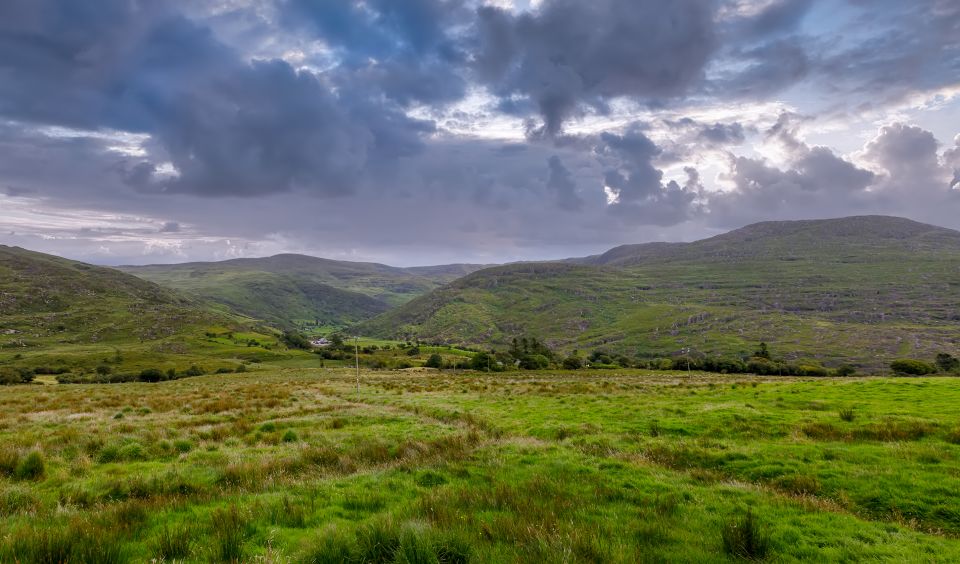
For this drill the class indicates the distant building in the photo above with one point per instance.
(321, 342)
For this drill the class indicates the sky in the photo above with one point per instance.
(439, 131)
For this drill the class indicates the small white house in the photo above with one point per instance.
(321, 342)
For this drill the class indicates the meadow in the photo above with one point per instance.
(294, 465)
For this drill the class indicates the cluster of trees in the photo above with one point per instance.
(525, 353)
(10, 375)
(104, 374)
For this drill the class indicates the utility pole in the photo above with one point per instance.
(356, 350)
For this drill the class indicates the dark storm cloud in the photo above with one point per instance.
(401, 48)
(641, 195)
(570, 53)
(561, 183)
(230, 127)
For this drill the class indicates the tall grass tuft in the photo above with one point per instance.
(744, 537)
(173, 543)
(847, 415)
(230, 529)
(31, 467)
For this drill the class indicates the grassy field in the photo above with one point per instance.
(293, 465)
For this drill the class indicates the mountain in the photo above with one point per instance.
(287, 288)
(55, 311)
(865, 289)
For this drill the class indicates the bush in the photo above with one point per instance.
(435, 361)
(15, 376)
(534, 362)
(295, 340)
(846, 370)
(30, 467)
(573, 362)
(194, 371)
(948, 362)
(151, 375)
(743, 537)
(912, 367)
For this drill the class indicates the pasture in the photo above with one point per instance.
(293, 465)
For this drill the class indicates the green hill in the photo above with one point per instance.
(286, 288)
(862, 289)
(62, 314)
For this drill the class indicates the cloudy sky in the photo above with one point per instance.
(433, 131)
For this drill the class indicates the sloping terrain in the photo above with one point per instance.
(62, 312)
(287, 288)
(863, 289)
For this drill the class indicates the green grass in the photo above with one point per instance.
(857, 290)
(613, 466)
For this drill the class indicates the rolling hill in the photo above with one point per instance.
(287, 288)
(865, 289)
(59, 312)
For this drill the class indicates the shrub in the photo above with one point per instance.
(104, 370)
(194, 371)
(435, 361)
(30, 467)
(224, 370)
(846, 370)
(947, 362)
(573, 362)
(290, 436)
(241, 368)
(151, 375)
(912, 367)
(744, 537)
(534, 362)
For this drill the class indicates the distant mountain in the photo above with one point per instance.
(287, 288)
(58, 311)
(862, 288)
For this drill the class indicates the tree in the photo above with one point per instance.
(947, 362)
(481, 361)
(762, 352)
(296, 340)
(435, 361)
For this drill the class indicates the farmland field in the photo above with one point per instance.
(293, 465)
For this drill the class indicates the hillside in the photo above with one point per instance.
(59, 312)
(865, 289)
(286, 288)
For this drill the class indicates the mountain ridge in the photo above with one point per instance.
(876, 285)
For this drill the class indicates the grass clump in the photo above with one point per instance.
(173, 543)
(744, 537)
(229, 528)
(31, 467)
(847, 415)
